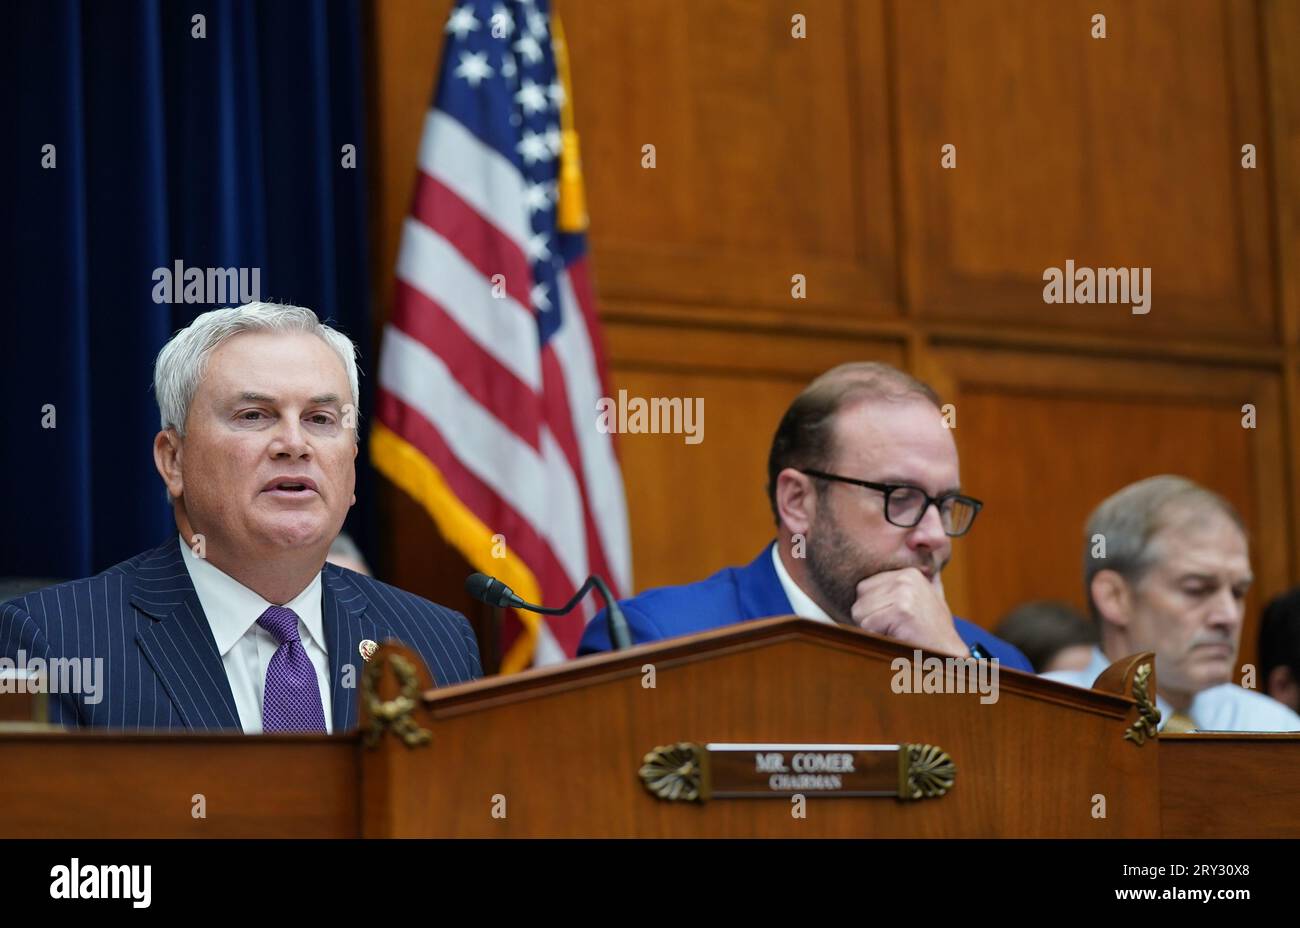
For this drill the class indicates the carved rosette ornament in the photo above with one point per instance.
(674, 772)
(1148, 721)
(924, 771)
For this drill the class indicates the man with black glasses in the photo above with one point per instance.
(863, 483)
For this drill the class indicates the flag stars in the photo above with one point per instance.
(556, 90)
(508, 67)
(538, 248)
(554, 140)
(531, 97)
(539, 298)
(537, 24)
(473, 67)
(528, 49)
(462, 22)
(536, 198)
(533, 148)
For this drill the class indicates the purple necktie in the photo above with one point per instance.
(292, 698)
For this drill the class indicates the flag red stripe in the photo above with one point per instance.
(491, 383)
(580, 278)
(477, 496)
(483, 245)
(559, 418)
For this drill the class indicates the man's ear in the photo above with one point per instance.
(167, 449)
(796, 500)
(1112, 597)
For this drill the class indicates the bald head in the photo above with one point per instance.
(806, 436)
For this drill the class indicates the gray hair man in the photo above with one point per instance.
(236, 622)
(1166, 569)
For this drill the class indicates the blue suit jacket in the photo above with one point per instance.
(739, 594)
(161, 666)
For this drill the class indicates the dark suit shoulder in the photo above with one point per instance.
(47, 605)
(442, 634)
(384, 594)
(159, 563)
(131, 564)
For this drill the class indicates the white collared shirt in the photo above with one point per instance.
(800, 602)
(246, 648)
(1226, 707)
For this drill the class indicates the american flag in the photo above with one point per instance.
(492, 364)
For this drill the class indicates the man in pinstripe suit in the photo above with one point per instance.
(237, 622)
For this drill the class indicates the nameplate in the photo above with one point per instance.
(691, 772)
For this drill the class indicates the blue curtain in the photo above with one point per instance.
(133, 143)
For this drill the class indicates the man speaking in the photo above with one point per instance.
(236, 622)
(863, 482)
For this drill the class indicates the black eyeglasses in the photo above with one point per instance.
(905, 506)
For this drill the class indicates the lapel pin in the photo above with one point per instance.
(367, 649)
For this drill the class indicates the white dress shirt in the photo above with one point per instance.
(800, 602)
(246, 648)
(1226, 707)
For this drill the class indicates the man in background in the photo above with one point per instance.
(1279, 649)
(1053, 635)
(1166, 569)
(345, 553)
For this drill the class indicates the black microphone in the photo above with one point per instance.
(492, 591)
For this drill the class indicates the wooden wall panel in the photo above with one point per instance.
(1282, 33)
(1122, 151)
(1281, 20)
(1044, 439)
(697, 508)
(768, 152)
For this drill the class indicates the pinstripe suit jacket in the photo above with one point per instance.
(161, 667)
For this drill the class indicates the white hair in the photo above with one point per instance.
(183, 361)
